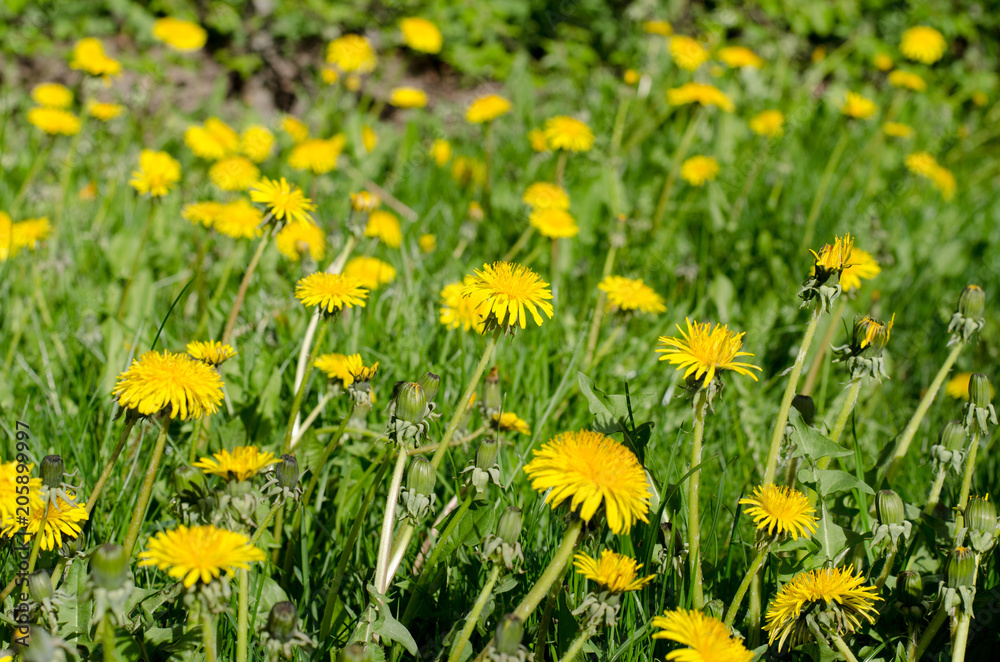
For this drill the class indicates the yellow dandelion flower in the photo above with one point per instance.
(504, 290)
(769, 123)
(8, 491)
(870, 332)
(211, 352)
(944, 181)
(687, 52)
(958, 386)
(369, 138)
(183, 36)
(509, 422)
(364, 201)
(54, 121)
(239, 219)
(486, 109)
(352, 53)
(467, 171)
(89, 56)
(706, 95)
(818, 54)
(923, 44)
(407, 97)
(52, 95)
(925, 165)
(702, 350)
(234, 173)
(543, 195)
(205, 213)
(385, 227)
(427, 243)
(329, 75)
(908, 80)
(283, 200)
(175, 382)
(858, 107)
(897, 130)
(203, 143)
(630, 77)
(199, 553)
(562, 132)
(836, 589)
(628, 295)
(28, 234)
(539, 143)
(295, 128)
(457, 310)
(352, 82)
(105, 112)
(662, 28)
(554, 223)
(615, 573)
(242, 463)
(862, 266)
(319, 156)
(370, 272)
(441, 151)
(835, 257)
(331, 292)
(781, 510)
(256, 143)
(421, 35)
(63, 520)
(699, 169)
(157, 173)
(706, 638)
(224, 134)
(296, 240)
(740, 56)
(345, 369)
(591, 470)
(883, 62)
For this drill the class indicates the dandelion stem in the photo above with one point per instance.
(734, 606)
(399, 547)
(753, 610)
(36, 542)
(546, 619)
(108, 639)
(786, 400)
(244, 284)
(207, 634)
(963, 494)
(935, 494)
(890, 557)
(694, 532)
(561, 167)
(489, 148)
(824, 185)
(817, 362)
(617, 238)
(463, 403)
(266, 522)
(925, 402)
(242, 615)
(961, 638)
(675, 166)
(737, 209)
(41, 157)
(928, 636)
(324, 456)
(286, 445)
(473, 617)
(150, 218)
(139, 514)
(385, 540)
(853, 388)
(520, 243)
(841, 646)
(109, 467)
(577, 645)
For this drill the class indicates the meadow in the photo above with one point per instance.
(503, 331)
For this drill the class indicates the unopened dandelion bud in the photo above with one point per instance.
(411, 402)
(909, 588)
(961, 567)
(282, 621)
(188, 480)
(972, 302)
(492, 397)
(430, 383)
(40, 586)
(509, 525)
(109, 567)
(286, 472)
(870, 336)
(421, 476)
(889, 507)
(510, 630)
(486, 454)
(980, 391)
(52, 471)
(805, 406)
(952, 436)
(981, 515)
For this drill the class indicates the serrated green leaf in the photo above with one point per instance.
(831, 481)
(810, 442)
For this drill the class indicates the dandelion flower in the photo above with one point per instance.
(155, 382)
(421, 35)
(204, 213)
(629, 295)
(863, 266)
(858, 107)
(8, 490)
(769, 123)
(369, 138)
(242, 463)
(467, 171)
(539, 143)
(504, 290)
(687, 52)
(441, 151)
(833, 258)
(89, 57)
(510, 422)
(630, 77)
(591, 469)
(706, 638)
(615, 573)
(345, 368)
(554, 223)
(62, 521)
(234, 173)
(52, 95)
(562, 132)
(781, 510)
(897, 130)
(407, 97)
(836, 590)
(331, 292)
(27, 233)
(364, 201)
(199, 553)
(239, 219)
(883, 62)
(370, 272)
(908, 80)
(352, 53)
(458, 311)
(105, 112)
(283, 200)
(319, 156)
(543, 195)
(183, 36)
(204, 143)
(54, 121)
(427, 243)
(740, 56)
(958, 386)
(256, 143)
(706, 95)
(157, 173)
(662, 28)
(295, 128)
(296, 240)
(385, 227)
(486, 109)
(211, 352)
(925, 165)
(702, 350)
(923, 44)
(699, 169)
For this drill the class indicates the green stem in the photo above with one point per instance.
(928, 635)
(244, 284)
(207, 634)
(935, 495)
(399, 547)
(41, 158)
(546, 619)
(963, 494)
(488, 183)
(754, 611)
(737, 208)
(109, 467)
(150, 217)
(473, 617)
(388, 519)
(463, 403)
(36, 542)
(824, 184)
(324, 456)
(609, 265)
(267, 521)
(675, 166)
(242, 616)
(842, 647)
(561, 167)
(890, 557)
(817, 362)
(108, 639)
(576, 646)
(519, 244)
(139, 514)
(786, 400)
(925, 402)
(961, 637)
(694, 481)
(734, 606)
(286, 444)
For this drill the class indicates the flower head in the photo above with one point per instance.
(385, 227)
(256, 143)
(562, 132)
(897, 130)
(89, 57)
(591, 470)
(870, 333)
(543, 195)
(509, 422)
(408, 97)
(105, 112)
(833, 258)
(242, 463)
(239, 219)
(740, 56)
(925, 165)
(699, 169)
(9, 490)
(183, 36)
(702, 350)
(234, 173)
(427, 243)
(52, 95)
(781, 511)
(175, 382)
(199, 553)
(883, 62)
(370, 272)
(458, 311)
(352, 53)
(296, 240)
(364, 201)
(958, 386)
(554, 223)
(211, 352)
(368, 138)
(662, 28)
(157, 173)
(687, 52)
(205, 213)
(863, 266)
(441, 151)
(923, 44)
(706, 638)
(504, 291)
(295, 128)
(706, 95)
(317, 155)
(14, 237)
(486, 109)
(858, 107)
(62, 520)
(613, 572)
(467, 171)
(628, 295)
(283, 200)
(768, 123)
(54, 121)
(837, 590)
(908, 80)
(421, 35)
(539, 143)
(345, 368)
(331, 292)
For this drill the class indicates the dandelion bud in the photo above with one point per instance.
(805, 406)
(492, 399)
(286, 472)
(909, 588)
(40, 586)
(52, 471)
(509, 525)
(188, 480)
(889, 507)
(486, 454)
(980, 391)
(421, 476)
(961, 567)
(981, 515)
(972, 302)
(870, 336)
(282, 620)
(430, 383)
(109, 567)
(411, 402)
(952, 436)
(510, 630)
